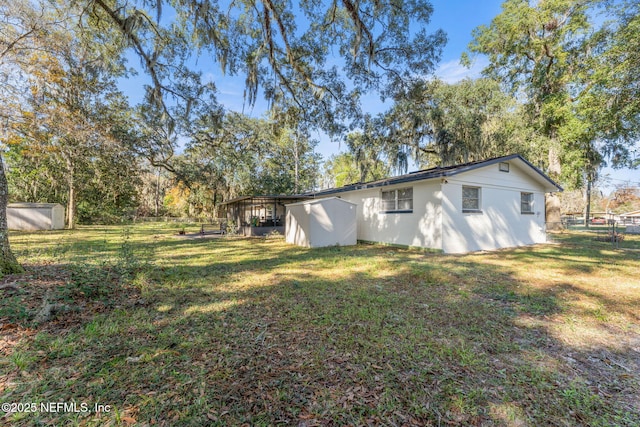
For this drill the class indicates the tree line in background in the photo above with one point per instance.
(561, 87)
(70, 136)
(110, 181)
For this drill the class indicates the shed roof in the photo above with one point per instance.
(441, 172)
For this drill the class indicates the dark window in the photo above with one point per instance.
(400, 200)
(470, 199)
(526, 203)
(389, 200)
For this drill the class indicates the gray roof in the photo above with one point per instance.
(266, 197)
(324, 199)
(33, 205)
(440, 172)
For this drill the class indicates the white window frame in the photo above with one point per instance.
(528, 203)
(478, 207)
(503, 167)
(393, 204)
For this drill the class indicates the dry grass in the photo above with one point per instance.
(248, 331)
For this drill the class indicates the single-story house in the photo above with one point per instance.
(35, 216)
(484, 205)
(328, 221)
(632, 217)
(258, 215)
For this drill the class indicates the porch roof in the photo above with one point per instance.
(265, 198)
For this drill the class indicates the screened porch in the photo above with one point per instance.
(258, 215)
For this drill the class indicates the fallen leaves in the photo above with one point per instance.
(348, 337)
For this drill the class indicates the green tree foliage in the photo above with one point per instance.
(227, 155)
(72, 123)
(244, 155)
(552, 56)
(58, 61)
(320, 55)
(24, 27)
(106, 183)
(435, 123)
(317, 57)
(612, 103)
(372, 153)
(153, 185)
(534, 48)
(445, 124)
(343, 169)
(289, 165)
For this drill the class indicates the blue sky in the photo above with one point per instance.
(456, 17)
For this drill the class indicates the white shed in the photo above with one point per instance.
(35, 216)
(321, 222)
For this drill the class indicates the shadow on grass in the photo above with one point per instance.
(68, 292)
(260, 333)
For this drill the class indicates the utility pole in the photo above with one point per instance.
(157, 195)
(588, 207)
(296, 156)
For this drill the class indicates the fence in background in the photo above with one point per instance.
(181, 220)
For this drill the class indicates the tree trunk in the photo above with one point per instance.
(555, 167)
(71, 202)
(552, 201)
(70, 208)
(552, 212)
(8, 263)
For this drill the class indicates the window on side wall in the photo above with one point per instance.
(399, 200)
(470, 199)
(526, 203)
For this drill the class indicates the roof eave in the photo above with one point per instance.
(550, 185)
(266, 196)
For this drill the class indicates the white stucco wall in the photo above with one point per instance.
(321, 222)
(333, 222)
(421, 228)
(500, 224)
(297, 224)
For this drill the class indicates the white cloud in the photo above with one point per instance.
(453, 71)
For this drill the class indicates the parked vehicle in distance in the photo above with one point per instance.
(598, 221)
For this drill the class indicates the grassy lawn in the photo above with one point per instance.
(168, 331)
